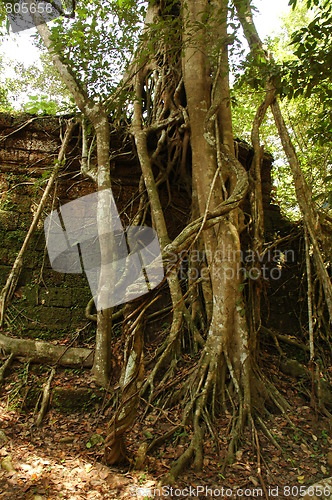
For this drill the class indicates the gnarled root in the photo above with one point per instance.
(130, 382)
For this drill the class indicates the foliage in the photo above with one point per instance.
(310, 72)
(38, 88)
(98, 43)
(40, 105)
(4, 91)
(299, 68)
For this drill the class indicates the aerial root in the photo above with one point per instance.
(147, 447)
(259, 469)
(115, 447)
(205, 379)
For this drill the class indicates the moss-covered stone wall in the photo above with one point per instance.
(46, 304)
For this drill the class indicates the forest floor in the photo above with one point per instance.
(63, 458)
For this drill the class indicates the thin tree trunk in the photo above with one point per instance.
(101, 363)
(257, 213)
(308, 211)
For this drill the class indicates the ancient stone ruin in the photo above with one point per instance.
(48, 304)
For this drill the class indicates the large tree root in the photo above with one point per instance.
(167, 352)
(45, 353)
(214, 385)
(130, 383)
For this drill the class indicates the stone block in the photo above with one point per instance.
(55, 318)
(81, 296)
(51, 318)
(56, 297)
(76, 399)
(28, 295)
(52, 278)
(78, 318)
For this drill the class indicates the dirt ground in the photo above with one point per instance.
(63, 458)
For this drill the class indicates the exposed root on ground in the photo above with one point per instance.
(46, 353)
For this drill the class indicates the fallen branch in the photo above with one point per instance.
(44, 352)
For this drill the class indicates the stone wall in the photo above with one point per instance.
(48, 304)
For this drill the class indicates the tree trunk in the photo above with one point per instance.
(96, 113)
(215, 173)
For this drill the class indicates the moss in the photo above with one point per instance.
(13, 240)
(80, 296)
(9, 220)
(4, 271)
(3, 255)
(52, 278)
(56, 297)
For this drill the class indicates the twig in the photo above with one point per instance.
(45, 399)
(259, 469)
(6, 365)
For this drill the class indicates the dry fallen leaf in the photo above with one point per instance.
(103, 474)
(304, 448)
(253, 480)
